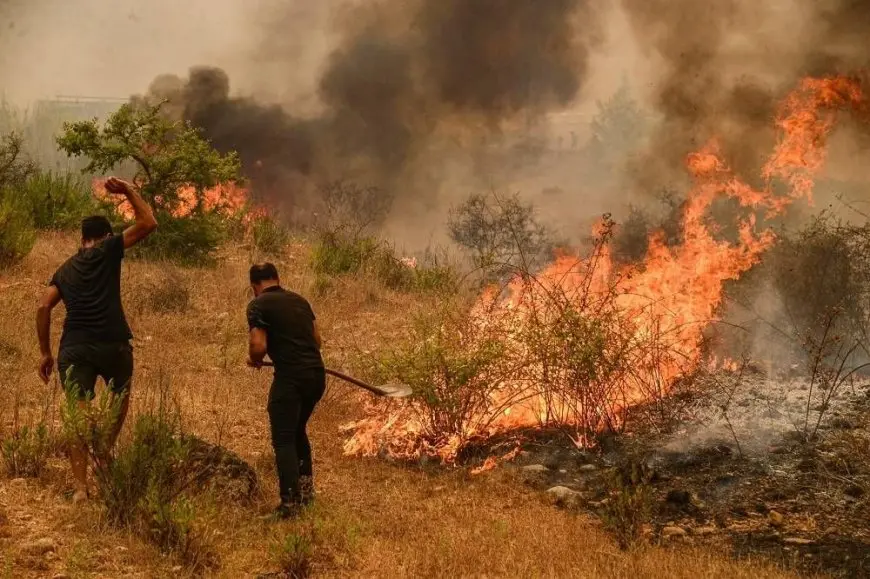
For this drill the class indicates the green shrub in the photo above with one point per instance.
(17, 233)
(26, 451)
(58, 201)
(190, 240)
(140, 483)
(269, 236)
(337, 253)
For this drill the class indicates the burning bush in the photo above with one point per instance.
(585, 340)
(456, 367)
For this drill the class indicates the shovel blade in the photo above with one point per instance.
(396, 390)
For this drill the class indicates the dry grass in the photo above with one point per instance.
(374, 519)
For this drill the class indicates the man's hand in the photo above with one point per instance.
(117, 186)
(46, 367)
(254, 363)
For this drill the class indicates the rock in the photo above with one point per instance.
(563, 496)
(704, 531)
(797, 541)
(588, 468)
(678, 497)
(534, 468)
(39, 547)
(669, 532)
(776, 519)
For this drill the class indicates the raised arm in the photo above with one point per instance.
(145, 222)
(47, 302)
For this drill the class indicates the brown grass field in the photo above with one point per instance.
(373, 519)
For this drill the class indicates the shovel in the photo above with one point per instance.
(387, 390)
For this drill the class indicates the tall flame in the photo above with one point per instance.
(667, 300)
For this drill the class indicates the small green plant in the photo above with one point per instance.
(26, 451)
(629, 506)
(17, 232)
(294, 553)
(455, 368)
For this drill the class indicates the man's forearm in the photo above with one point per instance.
(43, 330)
(141, 210)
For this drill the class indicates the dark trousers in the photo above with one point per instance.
(79, 366)
(291, 401)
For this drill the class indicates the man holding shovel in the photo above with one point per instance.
(282, 325)
(96, 338)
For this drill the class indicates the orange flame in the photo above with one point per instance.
(229, 199)
(669, 299)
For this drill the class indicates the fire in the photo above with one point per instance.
(650, 317)
(228, 198)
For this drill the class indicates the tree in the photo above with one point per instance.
(618, 128)
(167, 157)
(502, 234)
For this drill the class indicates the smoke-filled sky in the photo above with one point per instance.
(422, 97)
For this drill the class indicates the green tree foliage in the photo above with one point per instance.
(166, 156)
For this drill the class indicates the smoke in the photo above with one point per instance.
(408, 87)
(724, 66)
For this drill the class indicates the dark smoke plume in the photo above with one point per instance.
(404, 78)
(724, 72)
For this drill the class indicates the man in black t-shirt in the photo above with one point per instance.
(282, 325)
(96, 338)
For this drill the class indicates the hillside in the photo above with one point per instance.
(373, 518)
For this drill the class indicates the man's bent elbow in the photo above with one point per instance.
(148, 226)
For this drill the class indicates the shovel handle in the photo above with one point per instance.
(344, 377)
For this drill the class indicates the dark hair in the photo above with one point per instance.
(95, 227)
(263, 272)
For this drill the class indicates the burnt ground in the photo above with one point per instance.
(757, 487)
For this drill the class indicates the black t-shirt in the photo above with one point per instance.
(288, 321)
(90, 286)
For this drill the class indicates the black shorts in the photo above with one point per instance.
(81, 364)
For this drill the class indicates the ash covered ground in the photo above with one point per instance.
(736, 467)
